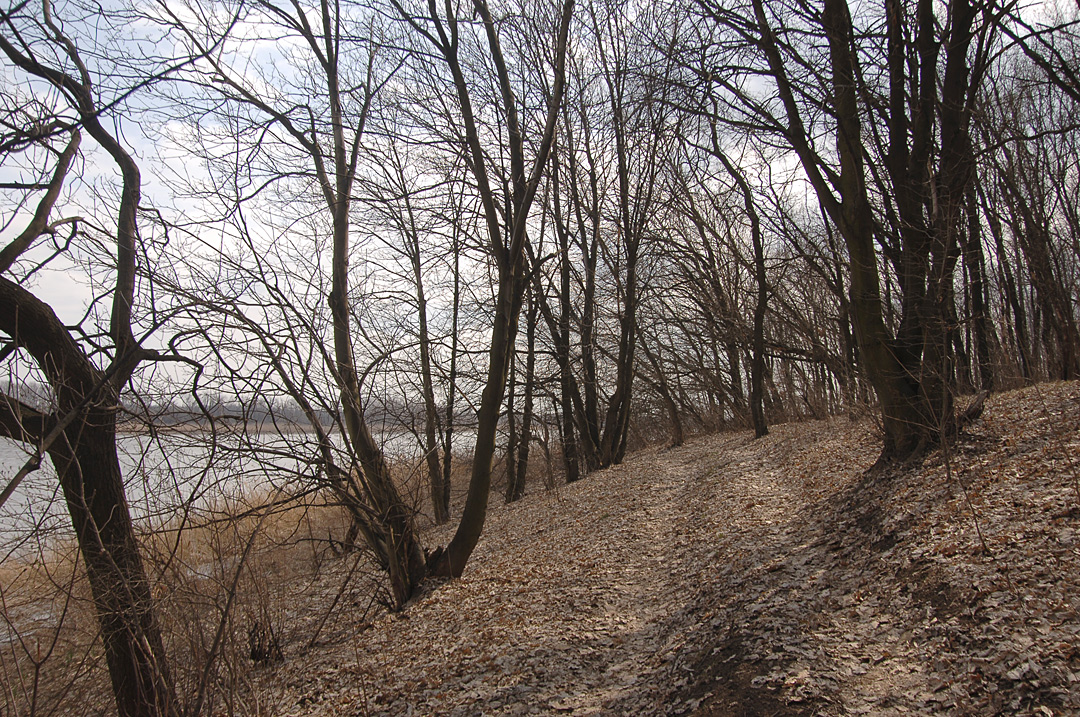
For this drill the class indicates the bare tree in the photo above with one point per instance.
(884, 183)
(338, 70)
(444, 32)
(86, 369)
(603, 213)
(396, 194)
(1032, 125)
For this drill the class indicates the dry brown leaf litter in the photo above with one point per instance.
(733, 576)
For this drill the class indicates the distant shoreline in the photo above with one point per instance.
(222, 426)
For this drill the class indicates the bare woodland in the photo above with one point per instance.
(293, 295)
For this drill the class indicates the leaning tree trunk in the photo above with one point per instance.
(84, 454)
(451, 561)
(509, 253)
(390, 532)
(87, 466)
(94, 492)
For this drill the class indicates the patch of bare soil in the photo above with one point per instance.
(741, 577)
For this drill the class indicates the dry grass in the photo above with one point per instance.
(232, 580)
(219, 578)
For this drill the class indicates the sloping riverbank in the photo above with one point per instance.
(733, 576)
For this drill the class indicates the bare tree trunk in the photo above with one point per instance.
(912, 372)
(510, 463)
(590, 420)
(452, 560)
(439, 503)
(1030, 225)
(569, 396)
(391, 533)
(94, 492)
(757, 366)
(903, 416)
(448, 440)
(757, 348)
(588, 234)
(333, 159)
(87, 466)
(980, 315)
(516, 489)
(1007, 279)
(660, 385)
(570, 400)
(510, 260)
(562, 348)
(85, 454)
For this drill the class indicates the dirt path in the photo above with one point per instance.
(741, 577)
(577, 601)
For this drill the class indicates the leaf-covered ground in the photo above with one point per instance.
(740, 577)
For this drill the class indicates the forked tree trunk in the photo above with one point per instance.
(509, 258)
(904, 416)
(451, 561)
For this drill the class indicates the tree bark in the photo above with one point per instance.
(516, 483)
(85, 457)
(87, 466)
(903, 416)
(509, 258)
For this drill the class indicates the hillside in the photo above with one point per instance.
(740, 577)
